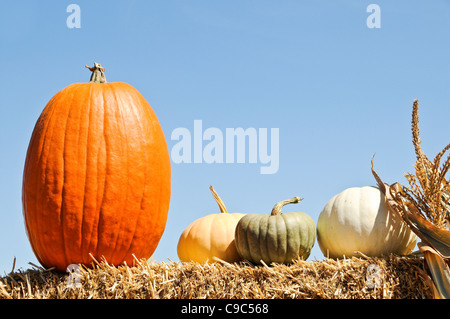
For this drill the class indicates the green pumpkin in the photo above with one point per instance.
(278, 238)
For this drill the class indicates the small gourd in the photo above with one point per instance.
(276, 238)
(210, 236)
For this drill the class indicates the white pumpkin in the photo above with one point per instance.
(358, 219)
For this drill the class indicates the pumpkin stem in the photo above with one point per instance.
(277, 208)
(219, 201)
(98, 73)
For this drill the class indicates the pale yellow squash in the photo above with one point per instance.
(210, 236)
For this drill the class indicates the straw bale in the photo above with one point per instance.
(353, 278)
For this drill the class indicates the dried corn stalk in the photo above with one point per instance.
(425, 207)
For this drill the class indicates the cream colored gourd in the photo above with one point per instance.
(210, 236)
(358, 219)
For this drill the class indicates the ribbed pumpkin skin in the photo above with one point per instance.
(96, 177)
(358, 219)
(210, 236)
(275, 238)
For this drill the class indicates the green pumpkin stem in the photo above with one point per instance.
(277, 208)
(98, 73)
(219, 201)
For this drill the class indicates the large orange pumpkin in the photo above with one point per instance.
(97, 176)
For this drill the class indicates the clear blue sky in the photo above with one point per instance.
(337, 90)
